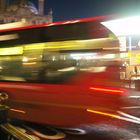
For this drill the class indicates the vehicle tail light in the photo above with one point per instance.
(109, 90)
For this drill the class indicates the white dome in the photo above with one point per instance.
(32, 7)
(23, 5)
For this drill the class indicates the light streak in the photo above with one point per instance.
(17, 110)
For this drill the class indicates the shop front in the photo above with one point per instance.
(128, 32)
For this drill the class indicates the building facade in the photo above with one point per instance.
(25, 11)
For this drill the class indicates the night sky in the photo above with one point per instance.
(72, 9)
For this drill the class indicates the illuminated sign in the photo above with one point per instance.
(138, 57)
(133, 45)
(134, 57)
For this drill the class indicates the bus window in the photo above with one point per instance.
(64, 32)
(11, 68)
(32, 61)
(53, 54)
(57, 68)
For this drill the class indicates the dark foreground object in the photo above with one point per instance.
(3, 114)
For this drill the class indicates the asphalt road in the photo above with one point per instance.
(93, 132)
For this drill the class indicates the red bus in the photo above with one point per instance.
(63, 74)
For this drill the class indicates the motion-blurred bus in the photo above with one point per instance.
(63, 74)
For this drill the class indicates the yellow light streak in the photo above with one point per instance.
(35, 46)
(107, 90)
(74, 44)
(8, 37)
(30, 63)
(17, 110)
(103, 113)
(11, 51)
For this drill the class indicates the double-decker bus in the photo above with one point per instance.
(63, 74)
